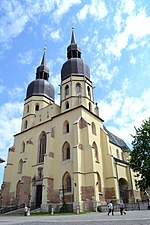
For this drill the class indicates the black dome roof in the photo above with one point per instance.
(40, 87)
(75, 66)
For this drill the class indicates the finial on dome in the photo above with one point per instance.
(73, 39)
(45, 49)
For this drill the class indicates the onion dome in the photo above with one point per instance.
(41, 86)
(74, 65)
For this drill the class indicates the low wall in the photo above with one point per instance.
(128, 206)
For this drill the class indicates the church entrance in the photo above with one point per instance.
(123, 187)
(38, 196)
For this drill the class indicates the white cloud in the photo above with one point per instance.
(118, 21)
(103, 71)
(50, 33)
(26, 57)
(10, 123)
(55, 35)
(97, 9)
(16, 15)
(132, 60)
(63, 6)
(128, 6)
(16, 93)
(136, 26)
(82, 14)
(124, 112)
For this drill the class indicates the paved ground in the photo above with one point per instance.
(132, 218)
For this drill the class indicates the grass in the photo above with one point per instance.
(55, 214)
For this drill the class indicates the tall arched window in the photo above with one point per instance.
(37, 107)
(66, 151)
(23, 147)
(18, 189)
(25, 124)
(66, 182)
(94, 146)
(93, 128)
(27, 108)
(67, 105)
(90, 107)
(42, 148)
(117, 152)
(99, 183)
(78, 89)
(89, 92)
(66, 90)
(66, 127)
(20, 166)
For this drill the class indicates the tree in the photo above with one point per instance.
(140, 155)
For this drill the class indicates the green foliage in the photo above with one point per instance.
(140, 155)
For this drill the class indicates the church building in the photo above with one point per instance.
(64, 153)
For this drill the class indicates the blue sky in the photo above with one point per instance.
(114, 37)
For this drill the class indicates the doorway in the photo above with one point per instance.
(123, 187)
(38, 196)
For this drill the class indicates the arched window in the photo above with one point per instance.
(93, 128)
(23, 147)
(78, 89)
(66, 90)
(94, 146)
(66, 151)
(66, 182)
(89, 92)
(18, 189)
(25, 124)
(27, 108)
(90, 107)
(117, 152)
(67, 105)
(66, 127)
(37, 107)
(99, 183)
(20, 166)
(42, 148)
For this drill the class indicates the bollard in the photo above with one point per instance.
(78, 210)
(28, 212)
(52, 212)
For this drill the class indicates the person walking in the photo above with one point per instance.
(122, 208)
(110, 208)
(25, 210)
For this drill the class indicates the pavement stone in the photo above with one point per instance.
(141, 217)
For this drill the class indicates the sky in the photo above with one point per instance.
(114, 37)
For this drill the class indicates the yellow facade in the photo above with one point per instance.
(82, 164)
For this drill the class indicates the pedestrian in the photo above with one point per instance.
(25, 210)
(122, 208)
(110, 208)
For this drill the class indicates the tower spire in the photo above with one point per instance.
(73, 39)
(73, 50)
(42, 71)
(43, 62)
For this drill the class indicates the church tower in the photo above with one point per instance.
(76, 86)
(40, 93)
